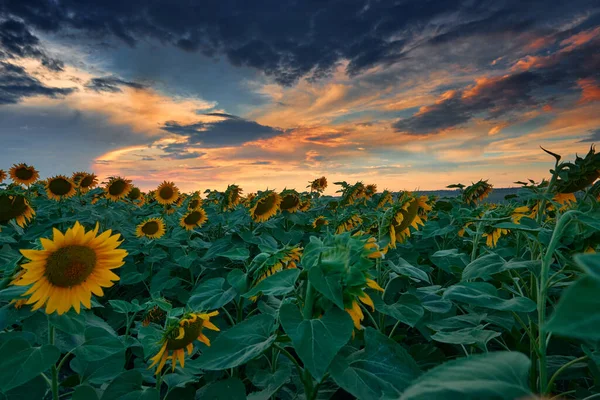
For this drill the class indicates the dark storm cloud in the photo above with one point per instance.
(232, 131)
(513, 93)
(593, 138)
(290, 39)
(111, 84)
(16, 84)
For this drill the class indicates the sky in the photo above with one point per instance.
(272, 94)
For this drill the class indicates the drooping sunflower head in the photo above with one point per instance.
(349, 223)
(290, 201)
(2, 175)
(318, 185)
(519, 213)
(249, 199)
(60, 187)
(87, 183)
(194, 203)
(493, 235)
(410, 211)
(266, 205)
(23, 174)
(231, 198)
(384, 199)
(71, 267)
(117, 188)
(267, 264)
(576, 176)
(179, 336)
(305, 203)
(193, 219)
(155, 314)
(179, 200)
(169, 209)
(136, 196)
(355, 294)
(477, 191)
(370, 190)
(319, 222)
(152, 228)
(565, 199)
(15, 206)
(77, 177)
(166, 193)
(352, 193)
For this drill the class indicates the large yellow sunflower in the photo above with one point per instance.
(87, 182)
(290, 201)
(265, 206)
(152, 228)
(180, 337)
(23, 174)
(60, 187)
(2, 175)
(70, 268)
(117, 188)
(193, 219)
(166, 193)
(15, 206)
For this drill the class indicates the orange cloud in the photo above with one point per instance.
(579, 39)
(590, 91)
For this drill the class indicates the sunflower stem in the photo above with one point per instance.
(54, 386)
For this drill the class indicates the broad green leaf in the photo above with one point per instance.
(235, 254)
(211, 295)
(85, 392)
(485, 295)
(20, 363)
(476, 335)
(125, 307)
(277, 284)
(577, 313)
(404, 268)
(228, 389)
(128, 386)
(12, 292)
(498, 375)
(269, 382)
(316, 341)
(382, 370)
(488, 265)
(36, 388)
(590, 263)
(457, 322)
(407, 309)
(328, 285)
(239, 344)
(449, 260)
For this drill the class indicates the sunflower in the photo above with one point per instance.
(15, 206)
(231, 198)
(166, 193)
(77, 177)
(348, 224)
(117, 188)
(136, 196)
(477, 191)
(23, 174)
(385, 198)
(519, 213)
(195, 203)
(70, 268)
(179, 200)
(370, 190)
(193, 219)
(285, 258)
(169, 209)
(60, 187)
(249, 199)
(87, 182)
(352, 306)
(319, 221)
(155, 314)
(152, 228)
(318, 185)
(411, 212)
(305, 204)
(265, 206)
(2, 175)
(494, 235)
(180, 336)
(565, 200)
(290, 201)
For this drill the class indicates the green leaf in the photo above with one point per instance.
(485, 295)
(12, 292)
(21, 363)
(270, 382)
(590, 263)
(128, 386)
(498, 375)
(316, 341)
(277, 284)
(101, 358)
(239, 344)
(85, 392)
(476, 335)
(449, 260)
(488, 265)
(576, 314)
(407, 309)
(228, 389)
(211, 295)
(328, 285)
(125, 307)
(404, 268)
(236, 254)
(382, 370)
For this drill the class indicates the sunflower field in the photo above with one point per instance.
(107, 292)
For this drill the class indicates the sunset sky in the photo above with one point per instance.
(274, 93)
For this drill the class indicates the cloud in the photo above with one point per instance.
(228, 131)
(594, 137)
(16, 41)
(16, 84)
(111, 84)
(289, 39)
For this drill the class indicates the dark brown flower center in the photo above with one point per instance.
(290, 201)
(24, 173)
(60, 186)
(86, 181)
(193, 218)
(191, 332)
(166, 193)
(194, 204)
(12, 206)
(150, 227)
(134, 194)
(70, 265)
(117, 187)
(265, 205)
